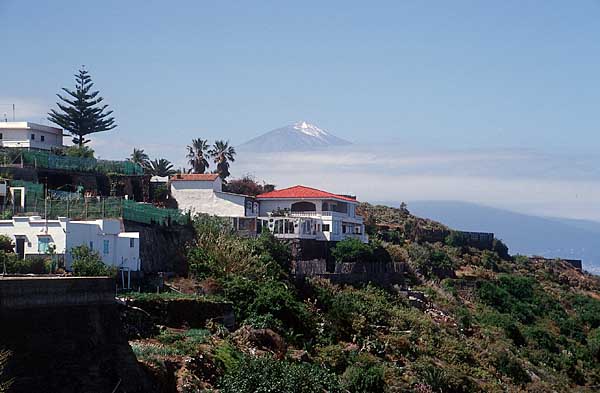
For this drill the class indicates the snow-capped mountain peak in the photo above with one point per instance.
(309, 129)
(300, 136)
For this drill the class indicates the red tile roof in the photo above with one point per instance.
(302, 192)
(194, 177)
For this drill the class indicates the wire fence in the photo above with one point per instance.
(48, 160)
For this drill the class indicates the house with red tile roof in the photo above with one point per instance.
(308, 213)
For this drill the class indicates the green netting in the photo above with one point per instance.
(149, 214)
(43, 159)
(33, 191)
(96, 208)
(32, 187)
(77, 209)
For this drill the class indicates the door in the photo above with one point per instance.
(20, 241)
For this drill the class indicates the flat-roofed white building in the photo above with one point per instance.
(33, 236)
(203, 193)
(27, 135)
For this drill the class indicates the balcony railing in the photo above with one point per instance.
(318, 214)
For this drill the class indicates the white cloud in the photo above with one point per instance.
(525, 181)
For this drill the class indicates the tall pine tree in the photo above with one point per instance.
(82, 114)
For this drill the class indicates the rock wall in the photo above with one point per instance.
(385, 274)
(162, 248)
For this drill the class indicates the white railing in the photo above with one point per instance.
(318, 214)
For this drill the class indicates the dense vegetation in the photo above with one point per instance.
(487, 322)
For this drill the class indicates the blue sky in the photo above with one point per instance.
(467, 76)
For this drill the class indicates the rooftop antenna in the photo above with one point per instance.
(13, 109)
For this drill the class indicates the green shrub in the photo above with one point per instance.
(88, 263)
(507, 365)
(364, 379)
(429, 261)
(587, 309)
(280, 302)
(353, 250)
(490, 260)
(351, 311)
(433, 376)
(267, 375)
(333, 357)
(6, 244)
(30, 265)
(593, 344)
(500, 248)
(228, 357)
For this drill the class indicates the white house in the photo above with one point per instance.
(33, 236)
(30, 135)
(308, 213)
(203, 193)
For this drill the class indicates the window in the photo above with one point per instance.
(91, 245)
(106, 246)
(43, 242)
(131, 242)
(1, 136)
(325, 227)
(42, 138)
(33, 137)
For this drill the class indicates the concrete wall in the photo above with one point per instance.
(41, 292)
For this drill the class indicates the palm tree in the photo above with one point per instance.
(197, 155)
(222, 154)
(161, 167)
(139, 157)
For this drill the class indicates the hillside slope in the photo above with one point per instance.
(464, 320)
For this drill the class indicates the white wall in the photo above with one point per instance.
(94, 234)
(201, 197)
(31, 229)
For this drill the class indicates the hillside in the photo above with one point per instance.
(465, 320)
(526, 234)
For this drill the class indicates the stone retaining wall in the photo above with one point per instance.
(41, 292)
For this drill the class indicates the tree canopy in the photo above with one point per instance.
(82, 113)
(222, 155)
(161, 167)
(197, 155)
